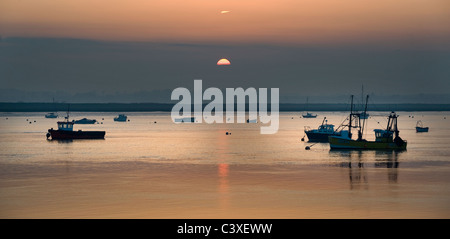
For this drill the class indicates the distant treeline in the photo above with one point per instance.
(145, 107)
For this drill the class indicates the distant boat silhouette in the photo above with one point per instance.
(308, 115)
(84, 121)
(51, 115)
(185, 119)
(121, 118)
(364, 115)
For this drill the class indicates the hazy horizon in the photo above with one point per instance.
(162, 96)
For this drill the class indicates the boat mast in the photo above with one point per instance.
(350, 120)
(362, 95)
(364, 118)
(392, 124)
(307, 104)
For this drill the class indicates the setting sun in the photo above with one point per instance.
(223, 62)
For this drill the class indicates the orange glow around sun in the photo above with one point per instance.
(223, 62)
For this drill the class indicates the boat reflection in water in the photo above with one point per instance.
(361, 162)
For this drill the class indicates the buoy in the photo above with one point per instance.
(154, 122)
(307, 148)
(226, 133)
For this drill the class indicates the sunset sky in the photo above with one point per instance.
(297, 41)
(266, 21)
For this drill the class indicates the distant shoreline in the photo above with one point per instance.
(151, 107)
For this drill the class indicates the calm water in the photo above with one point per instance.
(162, 170)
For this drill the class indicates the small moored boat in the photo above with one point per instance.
(51, 115)
(308, 115)
(121, 118)
(185, 120)
(420, 128)
(84, 121)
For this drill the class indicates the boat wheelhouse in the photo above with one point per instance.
(321, 133)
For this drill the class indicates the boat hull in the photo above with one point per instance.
(85, 122)
(317, 137)
(62, 134)
(342, 143)
(421, 129)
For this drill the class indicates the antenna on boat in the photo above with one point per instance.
(68, 110)
(350, 119)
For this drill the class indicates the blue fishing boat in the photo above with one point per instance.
(321, 133)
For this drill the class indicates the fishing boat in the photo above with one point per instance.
(65, 132)
(84, 121)
(51, 115)
(308, 115)
(420, 128)
(121, 118)
(384, 138)
(321, 133)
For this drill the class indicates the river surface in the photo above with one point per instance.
(150, 167)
